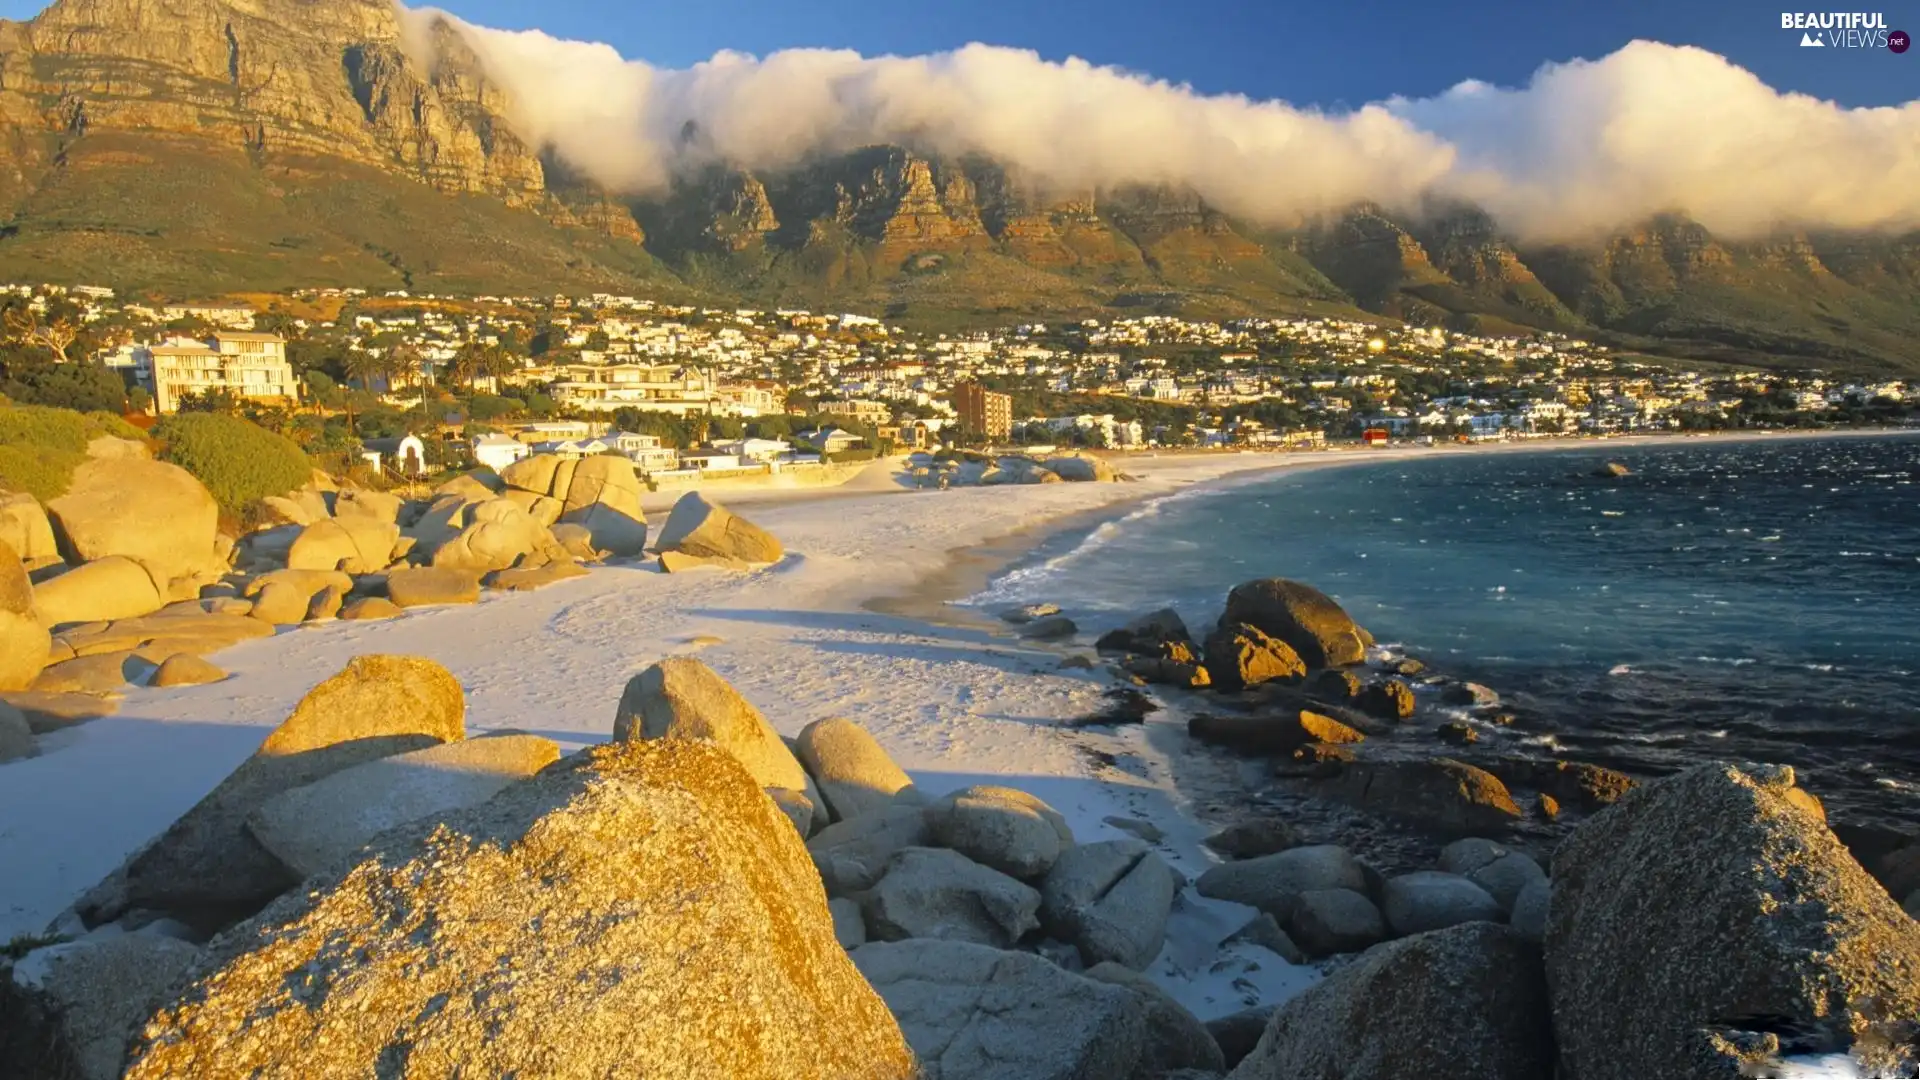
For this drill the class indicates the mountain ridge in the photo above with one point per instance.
(221, 145)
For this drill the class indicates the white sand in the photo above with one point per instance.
(954, 705)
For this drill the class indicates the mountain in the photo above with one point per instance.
(194, 147)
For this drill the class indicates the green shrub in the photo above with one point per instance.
(239, 462)
(40, 445)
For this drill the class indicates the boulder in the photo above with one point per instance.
(698, 527)
(851, 855)
(1051, 628)
(24, 642)
(369, 608)
(936, 893)
(1175, 1038)
(1164, 672)
(679, 562)
(1440, 794)
(163, 633)
(1238, 1033)
(146, 510)
(1503, 872)
(1463, 1002)
(634, 880)
(1008, 830)
(1255, 836)
(100, 673)
(1264, 930)
(533, 473)
(70, 1010)
(1472, 695)
(54, 712)
(479, 485)
(544, 509)
(1028, 613)
(207, 865)
(855, 776)
(603, 494)
(356, 545)
(381, 506)
(849, 926)
(577, 541)
(1148, 635)
(1240, 655)
(798, 806)
(1081, 468)
(682, 698)
(1272, 734)
(498, 535)
(280, 604)
(1530, 910)
(1338, 686)
(24, 528)
(16, 735)
(1899, 870)
(1318, 629)
(423, 586)
(1430, 900)
(112, 587)
(1111, 900)
(309, 828)
(1705, 918)
(1390, 699)
(185, 669)
(1273, 883)
(1329, 921)
(531, 578)
(975, 1013)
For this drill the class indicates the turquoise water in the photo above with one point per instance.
(1754, 600)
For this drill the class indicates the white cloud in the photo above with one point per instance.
(1584, 146)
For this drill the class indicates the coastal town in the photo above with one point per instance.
(410, 384)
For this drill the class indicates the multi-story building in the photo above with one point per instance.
(865, 412)
(983, 410)
(606, 387)
(252, 366)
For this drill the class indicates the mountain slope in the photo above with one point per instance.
(189, 147)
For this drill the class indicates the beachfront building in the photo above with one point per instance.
(645, 451)
(250, 366)
(756, 450)
(606, 387)
(552, 431)
(982, 410)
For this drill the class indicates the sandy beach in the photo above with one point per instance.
(845, 626)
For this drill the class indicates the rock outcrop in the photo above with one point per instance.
(69, 1010)
(357, 545)
(941, 894)
(1440, 794)
(1466, 1002)
(1240, 655)
(1111, 900)
(707, 530)
(114, 587)
(1707, 923)
(642, 898)
(600, 494)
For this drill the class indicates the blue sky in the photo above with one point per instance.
(1330, 54)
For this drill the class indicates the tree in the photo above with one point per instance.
(53, 331)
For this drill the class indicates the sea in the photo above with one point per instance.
(1732, 600)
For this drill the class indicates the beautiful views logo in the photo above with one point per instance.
(1845, 30)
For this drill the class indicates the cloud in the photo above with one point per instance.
(1584, 147)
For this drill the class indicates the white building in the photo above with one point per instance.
(405, 454)
(496, 452)
(252, 366)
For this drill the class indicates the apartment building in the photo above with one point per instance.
(983, 410)
(606, 387)
(251, 366)
(864, 412)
